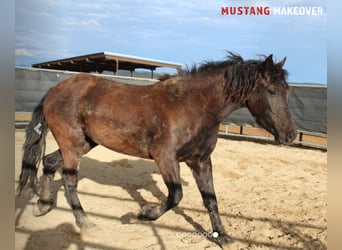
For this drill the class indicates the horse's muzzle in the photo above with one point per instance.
(287, 138)
(291, 136)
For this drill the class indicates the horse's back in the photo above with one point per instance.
(67, 93)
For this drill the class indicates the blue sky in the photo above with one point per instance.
(180, 31)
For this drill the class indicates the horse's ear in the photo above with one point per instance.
(281, 63)
(268, 64)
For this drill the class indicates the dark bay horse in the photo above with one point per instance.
(174, 120)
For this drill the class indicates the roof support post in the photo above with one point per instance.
(116, 67)
(151, 73)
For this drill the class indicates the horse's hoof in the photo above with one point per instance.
(223, 239)
(149, 212)
(42, 207)
(234, 246)
(227, 243)
(86, 224)
(87, 228)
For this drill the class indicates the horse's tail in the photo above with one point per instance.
(33, 149)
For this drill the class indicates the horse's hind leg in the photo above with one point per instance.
(70, 180)
(202, 172)
(72, 148)
(46, 201)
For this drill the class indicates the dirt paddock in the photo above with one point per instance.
(270, 197)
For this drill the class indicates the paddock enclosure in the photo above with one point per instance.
(269, 197)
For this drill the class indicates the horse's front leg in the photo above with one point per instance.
(202, 172)
(169, 169)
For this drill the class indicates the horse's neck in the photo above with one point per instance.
(230, 103)
(227, 110)
(213, 88)
(209, 88)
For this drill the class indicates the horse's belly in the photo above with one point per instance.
(135, 143)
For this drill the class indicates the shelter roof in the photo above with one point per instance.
(105, 61)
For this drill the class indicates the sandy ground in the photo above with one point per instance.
(270, 197)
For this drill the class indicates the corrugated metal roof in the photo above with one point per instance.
(105, 61)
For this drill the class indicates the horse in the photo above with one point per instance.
(171, 121)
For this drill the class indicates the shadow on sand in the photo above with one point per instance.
(120, 173)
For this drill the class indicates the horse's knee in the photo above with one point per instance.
(210, 201)
(175, 195)
(211, 205)
(178, 196)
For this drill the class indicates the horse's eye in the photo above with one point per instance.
(272, 92)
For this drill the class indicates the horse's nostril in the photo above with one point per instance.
(291, 137)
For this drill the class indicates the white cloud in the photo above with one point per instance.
(23, 52)
(91, 22)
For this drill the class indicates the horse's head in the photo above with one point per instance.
(268, 102)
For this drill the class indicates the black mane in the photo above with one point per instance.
(240, 74)
(211, 66)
